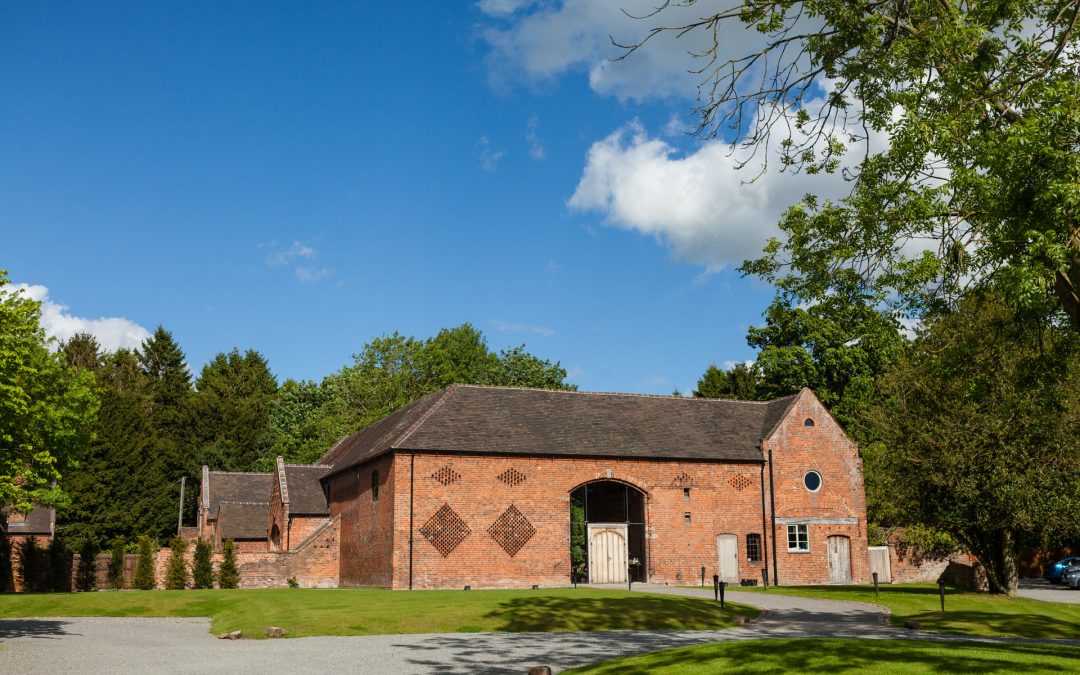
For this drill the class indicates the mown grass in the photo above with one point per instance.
(966, 613)
(837, 655)
(307, 612)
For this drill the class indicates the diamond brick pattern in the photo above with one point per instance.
(512, 477)
(684, 479)
(445, 530)
(446, 475)
(740, 482)
(512, 530)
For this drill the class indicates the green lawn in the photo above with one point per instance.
(813, 655)
(965, 613)
(305, 612)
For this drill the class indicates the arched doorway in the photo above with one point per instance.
(607, 533)
(275, 538)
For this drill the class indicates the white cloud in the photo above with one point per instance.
(697, 203)
(278, 256)
(532, 138)
(312, 274)
(518, 327)
(111, 332)
(489, 157)
(502, 8)
(576, 35)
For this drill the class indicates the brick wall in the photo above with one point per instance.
(367, 524)
(838, 508)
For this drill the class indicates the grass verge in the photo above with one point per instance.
(306, 612)
(836, 655)
(966, 613)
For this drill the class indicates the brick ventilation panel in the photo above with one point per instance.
(445, 530)
(684, 479)
(512, 477)
(740, 482)
(446, 475)
(512, 530)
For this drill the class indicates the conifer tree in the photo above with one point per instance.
(58, 572)
(228, 574)
(86, 573)
(30, 565)
(176, 576)
(231, 422)
(203, 570)
(116, 564)
(144, 568)
(5, 563)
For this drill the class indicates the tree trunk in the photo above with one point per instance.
(1067, 288)
(1000, 558)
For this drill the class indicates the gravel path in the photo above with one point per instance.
(1041, 589)
(124, 645)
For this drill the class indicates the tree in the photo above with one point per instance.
(979, 430)
(82, 351)
(58, 573)
(741, 382)
(144, 566)
(228, 574)
(980, 103)
(117, 555)
(176, 574)
(202, 568)
(518, 368)
(6, 582)
(46, 407)
(234, 395)
(30, 565)
(86, 572)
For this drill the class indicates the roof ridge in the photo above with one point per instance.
(424, 418)
(310, 466)
(225, 501)
(242, 473)
(615, 393)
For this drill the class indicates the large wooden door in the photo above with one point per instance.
(839, 559)
(607, 553)
(727, 555)
(879, 562)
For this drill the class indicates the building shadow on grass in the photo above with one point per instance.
(1026, 624)
(32, 628)
(574, 613)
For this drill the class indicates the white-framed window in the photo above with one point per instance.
(798, 539)
(812, 481)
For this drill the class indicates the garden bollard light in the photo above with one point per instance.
(765, 576)
(703, 577)
(722, 584)
(875, 584)
(941, 590)
(716, 586)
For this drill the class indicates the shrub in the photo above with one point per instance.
(30, 565)
(203, 570)
(176, 576)
(293, 583)
(5, 562)
(58, 576)
(228, 574)
(144, 568)
(86, 574)
(116, 564)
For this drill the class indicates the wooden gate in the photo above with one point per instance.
(839, 559)
(607, 553)
(879, 562)
(727, 555)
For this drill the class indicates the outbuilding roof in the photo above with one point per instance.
(40, 520)
(243, 520)
(511, 420)
(230, 486)
(306, 496)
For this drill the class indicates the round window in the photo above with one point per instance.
(812, 481)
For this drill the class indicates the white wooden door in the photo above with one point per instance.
(727, 554)
(607, 553)
(839, 559)
(879, 562)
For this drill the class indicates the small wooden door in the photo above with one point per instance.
(839, 559)
(879, 562)
(727, 554)
(607, 553)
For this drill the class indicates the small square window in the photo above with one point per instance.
(686, 494)
(797, 538)
(686, 517)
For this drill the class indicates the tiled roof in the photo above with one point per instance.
(306, 496)
(38, 521)
(507, 420)
(238, 487)
(243, 520)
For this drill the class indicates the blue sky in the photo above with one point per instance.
(299, 178)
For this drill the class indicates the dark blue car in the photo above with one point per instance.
(1053, 572)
